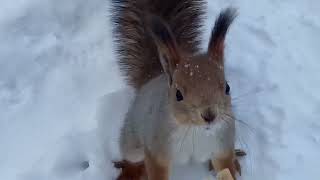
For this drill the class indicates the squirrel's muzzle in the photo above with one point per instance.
(208, 116)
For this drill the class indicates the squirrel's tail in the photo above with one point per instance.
(137, 53)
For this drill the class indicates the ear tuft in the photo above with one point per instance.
(165, 42)
(221, 26)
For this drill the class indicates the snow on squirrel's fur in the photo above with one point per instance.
(62, 100)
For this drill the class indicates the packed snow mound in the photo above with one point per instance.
(63, 101)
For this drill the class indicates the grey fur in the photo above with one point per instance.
(149, 124)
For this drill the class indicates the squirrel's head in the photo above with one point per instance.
(198, 91)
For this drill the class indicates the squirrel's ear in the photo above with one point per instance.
(221, 26)
(166, 45)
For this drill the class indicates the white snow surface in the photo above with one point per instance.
(62, 99)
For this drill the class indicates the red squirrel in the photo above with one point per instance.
(182, 109)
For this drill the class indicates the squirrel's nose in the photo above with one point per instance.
(208, 116)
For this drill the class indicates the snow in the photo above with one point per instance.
(62, 99)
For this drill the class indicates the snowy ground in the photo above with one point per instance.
(62, 100)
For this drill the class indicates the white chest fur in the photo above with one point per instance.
(194, 143)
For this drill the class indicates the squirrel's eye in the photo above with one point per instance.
(227, 89)
(179, 95)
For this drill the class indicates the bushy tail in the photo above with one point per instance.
(138, 57)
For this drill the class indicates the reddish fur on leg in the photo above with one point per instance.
(130, 171)
(156, 170)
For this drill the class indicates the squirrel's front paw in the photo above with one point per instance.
(238, 153)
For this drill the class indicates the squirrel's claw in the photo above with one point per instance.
(240, 152)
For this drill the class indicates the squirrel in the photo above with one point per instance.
(182, 108)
